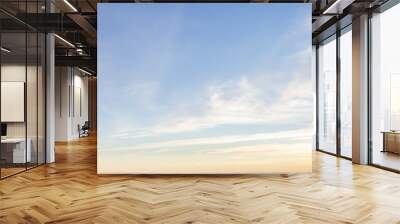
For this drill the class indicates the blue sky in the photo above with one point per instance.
(194, 81)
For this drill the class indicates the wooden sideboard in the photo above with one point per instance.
(391, 141)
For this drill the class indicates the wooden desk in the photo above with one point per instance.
(13, 150)
(391, 141)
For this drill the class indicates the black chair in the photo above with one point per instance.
(84, 130)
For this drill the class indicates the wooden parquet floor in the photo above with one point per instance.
(69, 191)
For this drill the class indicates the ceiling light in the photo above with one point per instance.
(65, 41)
(5, 50)
(70, 5)
(79, 51)
(84, 71)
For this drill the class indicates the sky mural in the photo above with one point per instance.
(204, 88)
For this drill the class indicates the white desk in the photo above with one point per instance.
(19, 155)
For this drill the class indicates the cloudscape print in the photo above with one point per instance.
(204, 88)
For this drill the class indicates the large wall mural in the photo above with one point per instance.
(204, 88)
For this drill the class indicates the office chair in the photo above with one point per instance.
(84, 130)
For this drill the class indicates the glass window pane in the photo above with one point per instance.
(314, 74)
(31, 97)
(386, 89)
(41, 98)
(31, 89)
(22, 90)
(327, 96)
(13, 86)
(346, 93)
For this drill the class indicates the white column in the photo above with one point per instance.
(360, 90)
(50, 92)
(50, 99)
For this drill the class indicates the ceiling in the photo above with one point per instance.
(75, 21)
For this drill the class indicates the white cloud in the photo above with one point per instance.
(256, 99)
(242, 102)
(299, 135)
(265, 148)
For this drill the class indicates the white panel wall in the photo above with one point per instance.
(62, 81)
(71, 102)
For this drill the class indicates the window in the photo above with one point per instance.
(385, 89)
(327, 95)
(346, 92)
(22, 66)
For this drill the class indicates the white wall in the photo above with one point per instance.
(62, 81)
(70, 84)
(80, 109)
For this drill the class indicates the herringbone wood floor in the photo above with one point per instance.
(69, 191)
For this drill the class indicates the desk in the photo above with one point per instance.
(17, 150)
(391, 141)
